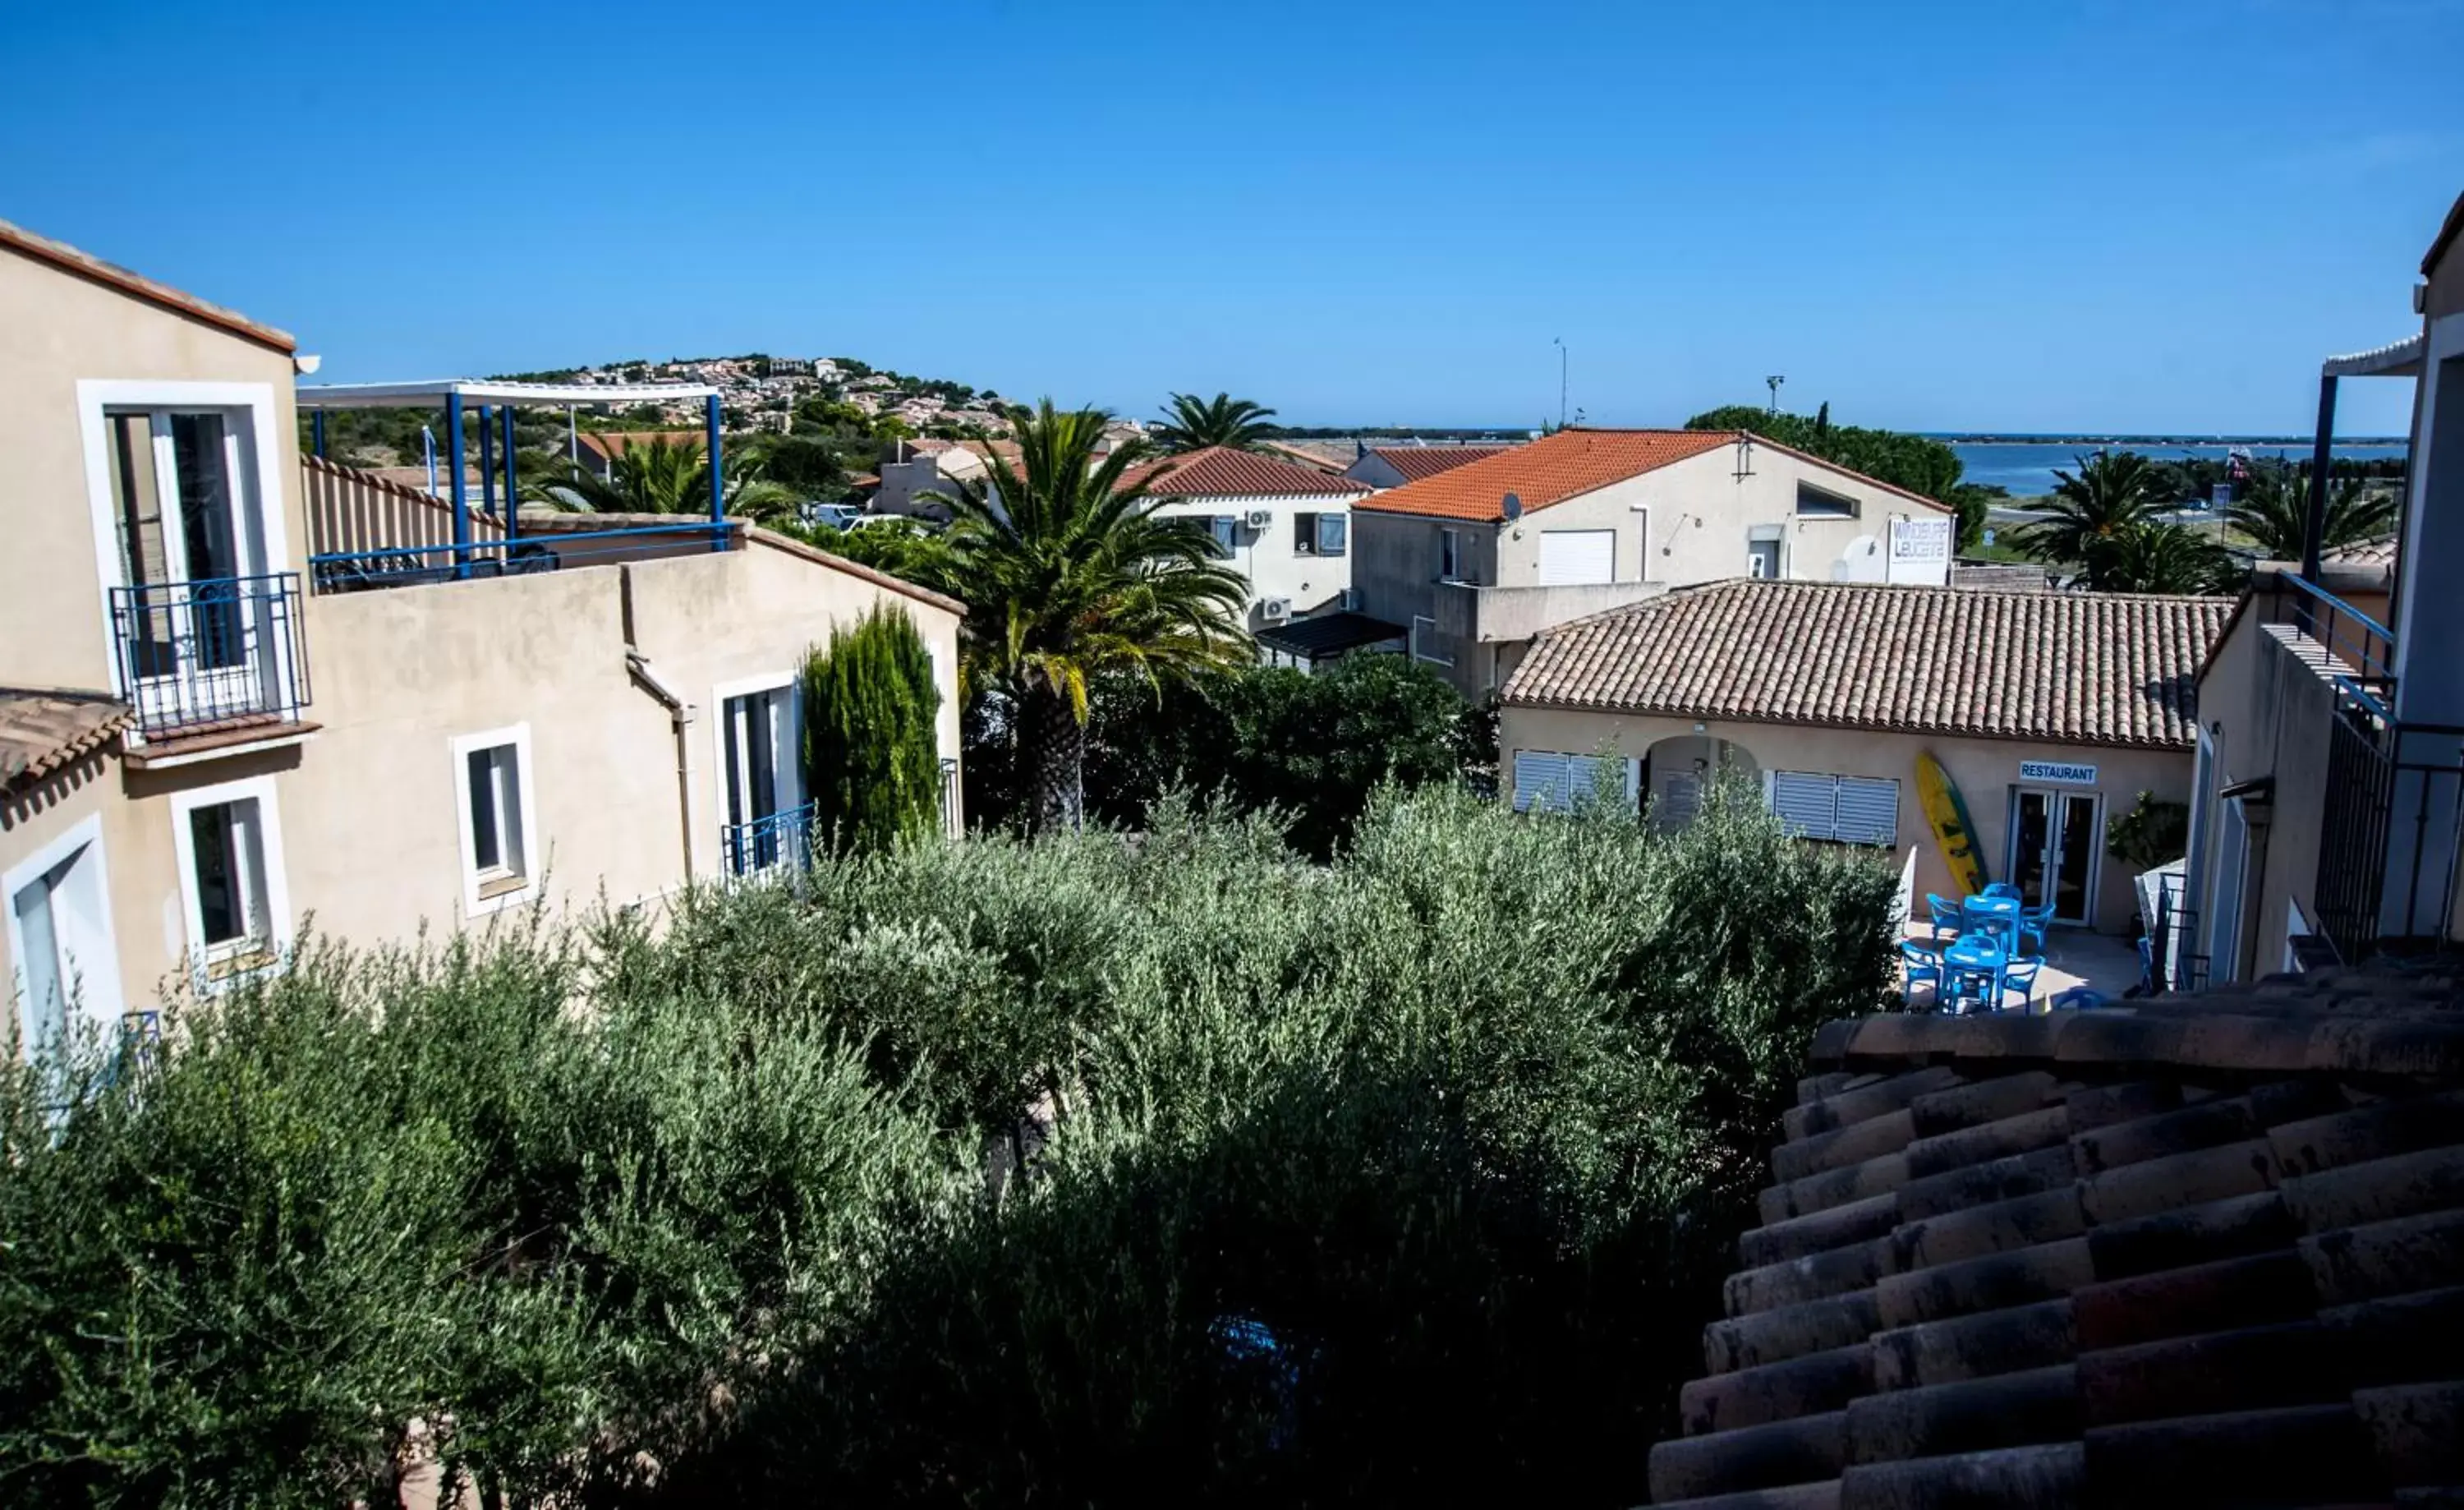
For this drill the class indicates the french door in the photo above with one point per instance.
(763, 776)
(2055, 840)
(190, 631)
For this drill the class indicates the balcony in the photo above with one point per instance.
(1502, 616)
(215, 657)
(2390, 808)
(781, 839)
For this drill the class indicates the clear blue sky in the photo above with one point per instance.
(2116, 214)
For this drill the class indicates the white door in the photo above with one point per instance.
(764, 772)
(2054, 845)
(192, 630)
(1573, 557)
(61, 940)
(2224, 929)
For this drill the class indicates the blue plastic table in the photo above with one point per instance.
(1998, 916)
(1977, 959)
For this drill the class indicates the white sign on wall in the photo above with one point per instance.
(1921, 551)
(2061, 772)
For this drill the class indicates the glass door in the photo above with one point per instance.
(187, 549)
(2054, 840)
(763, 776)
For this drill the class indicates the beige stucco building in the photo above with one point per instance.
(245, 695)
(1472, 560)
(2050, 712)
(2329, 820)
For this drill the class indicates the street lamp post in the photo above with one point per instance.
(1774, 381)
(1559, 342)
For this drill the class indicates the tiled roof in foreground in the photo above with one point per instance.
(42, 729)
(2093, 668)
(2193, 1251)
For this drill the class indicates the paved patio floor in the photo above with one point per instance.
(2072, 956)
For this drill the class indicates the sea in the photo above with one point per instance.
(2026, 467)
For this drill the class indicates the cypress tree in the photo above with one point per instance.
(871, 750)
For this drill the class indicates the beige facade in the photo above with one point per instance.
(1664, 754)
(1728, 512)
(362, 802)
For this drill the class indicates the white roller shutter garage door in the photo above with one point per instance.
(1572, 557)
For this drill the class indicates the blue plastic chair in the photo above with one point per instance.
(1949, 918)
(2001, 889)
(1924, 968)
(2033, 924)
(2078, 998)
(2020, 975)
(1977, 986)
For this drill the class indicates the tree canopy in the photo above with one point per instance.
(1917, 463)
(871, 739)
(1194, 424)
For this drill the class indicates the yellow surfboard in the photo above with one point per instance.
(1953, 831)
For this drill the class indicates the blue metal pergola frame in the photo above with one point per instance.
(497, 402)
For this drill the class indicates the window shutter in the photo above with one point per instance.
(1541, 781)
(1806, 804)
(1331, 533)
(1869, 811)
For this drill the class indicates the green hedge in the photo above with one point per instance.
(1410, 1174)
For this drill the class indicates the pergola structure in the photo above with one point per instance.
(2398, 359)
(497, 402)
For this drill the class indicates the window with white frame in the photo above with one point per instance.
(762, 774)
(1551, 780)
(1226, 528)
(1424, 642)
(1762, 558)
(1320, 534)
(492, 779)
(228, 842)
(1812, 502)
(57, 914)
(1450, 555)
(1841, 809)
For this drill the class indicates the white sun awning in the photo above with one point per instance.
(2396, 359)
(485, 390)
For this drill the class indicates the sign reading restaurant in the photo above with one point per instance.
(2062, 772)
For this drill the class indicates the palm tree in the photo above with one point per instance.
(1194, 424)
(2152, 557)
(2112, 491)
(1068, 573)
(2274, 512)
(660, 477)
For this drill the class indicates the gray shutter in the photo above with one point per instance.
(1806, 804)
(1869, 811)
(1541, 781)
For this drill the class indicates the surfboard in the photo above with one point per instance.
(1953, 831)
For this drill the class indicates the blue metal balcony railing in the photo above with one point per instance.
(220, 653)
(782, 839)
(547, 550)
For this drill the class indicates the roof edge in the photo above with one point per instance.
(1505, 699)
(2448, 231)
(790, 546)
(85, 264)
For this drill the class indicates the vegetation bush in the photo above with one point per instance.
(871, 735)
(1098, 1170)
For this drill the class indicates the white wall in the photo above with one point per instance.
(1266, 555)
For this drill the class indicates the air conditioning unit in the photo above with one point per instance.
(1258, 518)
(1274, 610)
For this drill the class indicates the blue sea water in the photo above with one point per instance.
(2027, 467)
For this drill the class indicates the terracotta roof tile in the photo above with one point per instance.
(1549, 469)
(2218, 1281)
(1222, 471)
(43, 730)
(2087, 668)
(1417, 462)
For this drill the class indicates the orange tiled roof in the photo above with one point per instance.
(1221, 472)
(42, 729)
(2089, 668)
(1417, 462)
(2191, 1250)
(1549, 469)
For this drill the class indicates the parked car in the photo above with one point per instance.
(837, 516)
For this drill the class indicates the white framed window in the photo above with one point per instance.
(1841, 809)
(63, 954)
(183, 482)
(226, 840)
(1320, 534)
(761, 772)
(1226, 528)
(1550, 781)
(491, 792)
(1450, 555)
(1424, 642)
(1762, 558)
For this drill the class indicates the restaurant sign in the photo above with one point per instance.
(2060, 772)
